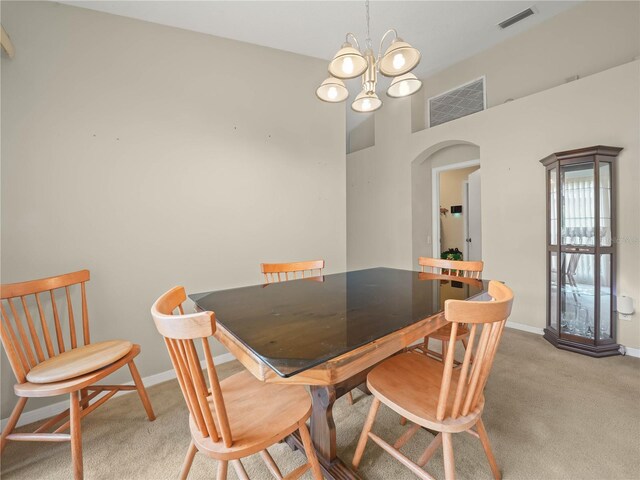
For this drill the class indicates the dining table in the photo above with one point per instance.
(327, 332)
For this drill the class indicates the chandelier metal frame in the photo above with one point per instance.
(350, 62)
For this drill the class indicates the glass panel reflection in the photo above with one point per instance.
(553, 292)
(578, 204)
(605, 297)
(577, 294)
(605, 204)
(553, 207)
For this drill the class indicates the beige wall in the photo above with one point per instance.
(452, 193)
(362, 136)
(383, 197)
(155, 156)
(584, 40)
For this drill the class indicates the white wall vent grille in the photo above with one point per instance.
(459, 102)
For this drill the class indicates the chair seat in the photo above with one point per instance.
(409, 383)
(444, 333)
(29, 389)
(260, 414)
(79, 361)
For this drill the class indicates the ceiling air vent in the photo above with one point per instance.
(516, 18)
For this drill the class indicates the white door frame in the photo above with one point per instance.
(465, 218)
(435, 199)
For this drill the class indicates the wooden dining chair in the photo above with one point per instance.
(235, 417)
(453, 268)
(47, 365)
(280, 272)
(440, 397)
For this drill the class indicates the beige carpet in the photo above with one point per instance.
(550, 415)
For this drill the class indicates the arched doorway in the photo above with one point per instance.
(439, 156)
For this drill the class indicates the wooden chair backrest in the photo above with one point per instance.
(278, 272)
(27, 347)
(458, 268)
(179, 332)
(492, 316)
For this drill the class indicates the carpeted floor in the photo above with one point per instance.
(550, 415)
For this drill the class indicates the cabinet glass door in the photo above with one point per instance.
(577, 291)
(553, 206)
(578, 204)
(605, 297)
(605, 204)
(553, 290)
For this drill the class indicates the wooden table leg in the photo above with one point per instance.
(323, 434)
(323, 428)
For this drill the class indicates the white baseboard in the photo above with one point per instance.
(48, 411)
(524, 328)
(631, 352)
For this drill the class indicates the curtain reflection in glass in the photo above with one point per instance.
(578, 223)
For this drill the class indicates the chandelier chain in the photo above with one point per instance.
(366, 4)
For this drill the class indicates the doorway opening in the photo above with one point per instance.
(457, 211)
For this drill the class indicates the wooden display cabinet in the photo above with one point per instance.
(581, 250)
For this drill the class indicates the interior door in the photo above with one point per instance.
(474, 229)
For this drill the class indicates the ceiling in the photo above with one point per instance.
(444, 31)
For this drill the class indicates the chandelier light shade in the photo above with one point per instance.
(366, 102)
(399, 59)
(332, 90)
(350, 62)
(347, 63)
(404, 85)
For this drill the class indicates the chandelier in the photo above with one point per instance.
(398, 60)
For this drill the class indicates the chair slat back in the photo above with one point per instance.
(487, 320)
(27, 343)
(458, 268)
(280, 272)
(180, 333)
